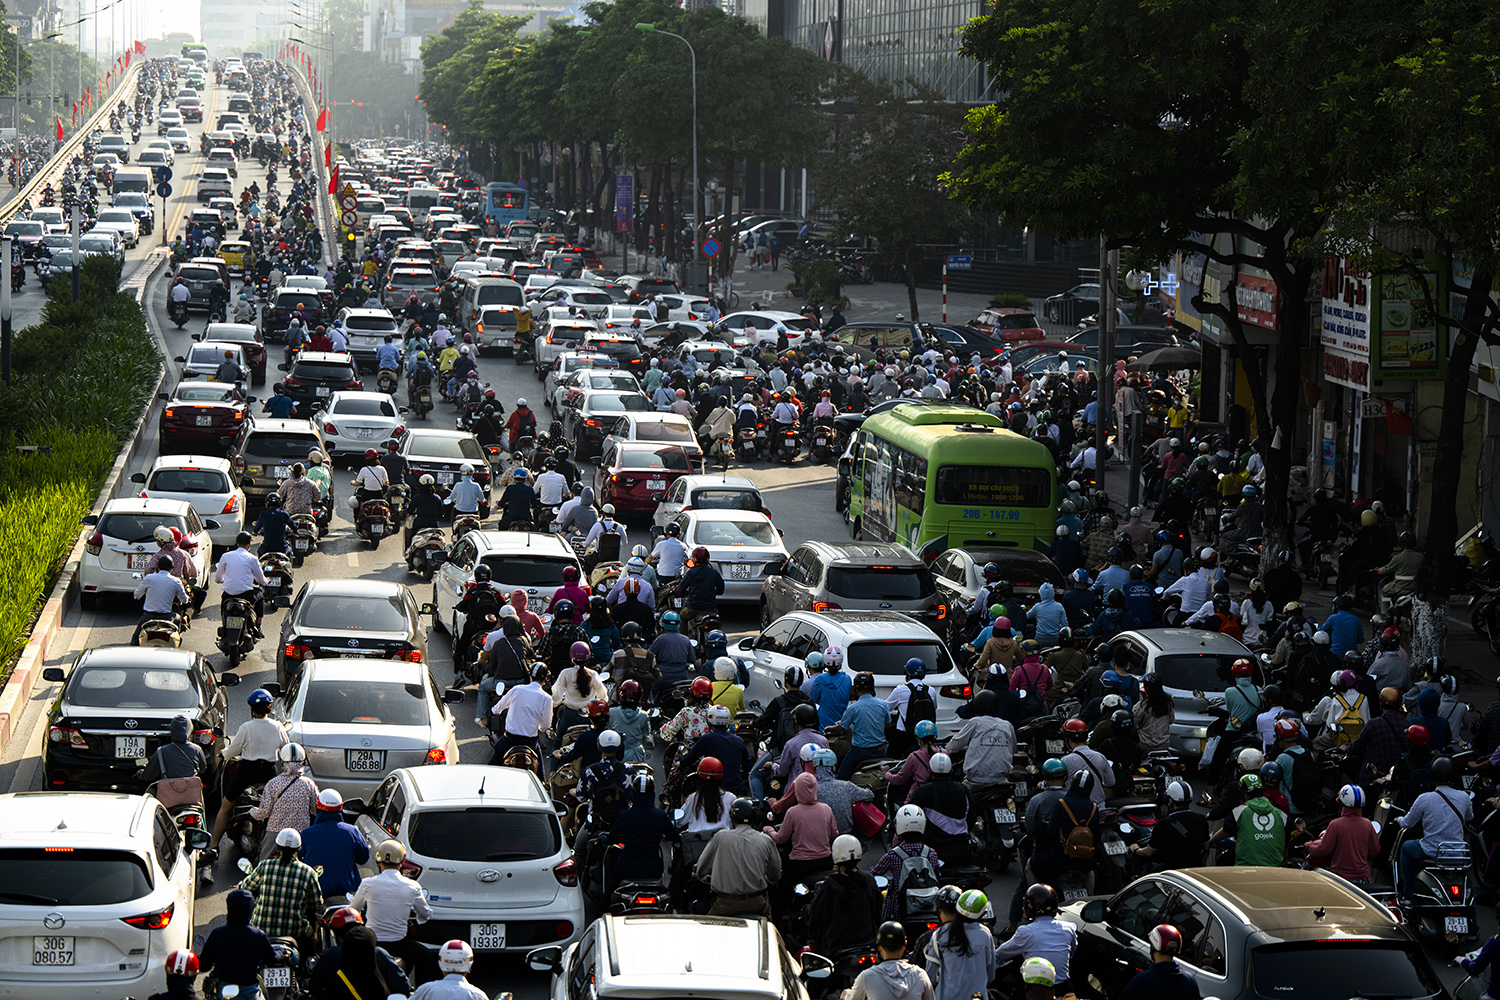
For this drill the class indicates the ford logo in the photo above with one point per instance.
(131, 723)
(488, 875)
(53, 921)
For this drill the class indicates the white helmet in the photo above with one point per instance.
(846, 848)
(508, 611)
(834, 656)
(466, 469)
(292, 753)
(940, 763)
(1179, 791)
(718, 715)
(724, 669)
(1351, 796)
(609, 740)
(1322, 638)
(456, 956)
(1110, 702)
(1250, 759)
(289, 838)
(162, 534)
(521, 401)
(910, 819)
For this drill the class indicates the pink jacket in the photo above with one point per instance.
(913, 769)
(1032, 675)
(576, 594)
(809, 824)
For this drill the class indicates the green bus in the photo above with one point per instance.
(196, 51)
(941, 476)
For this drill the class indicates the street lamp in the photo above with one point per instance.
(650, 28)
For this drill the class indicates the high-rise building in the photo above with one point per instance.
(232, 26)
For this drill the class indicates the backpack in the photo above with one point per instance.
(786, 726)
(1345, 729)
(920, 707)
(917, 883)
(606, 805)
(1078, 844)
(1304, 784)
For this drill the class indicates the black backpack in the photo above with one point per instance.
(1305, 783)
(786, 725)
(920, 707)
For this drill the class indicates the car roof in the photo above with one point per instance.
(191, 461)
(355, 588)
(1189, 640)
(477, 784)
(841, 553)
(656, 952)
(147, 505)
(243, 328)
(522, 542)
(868, 624)
(1294, 903)
(343, 394)
(368, 313)
(698, 481)
(283, 425)
(70, 817)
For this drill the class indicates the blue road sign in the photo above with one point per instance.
(960, 262)
(164, 190)
(163, 174)
(710, 248)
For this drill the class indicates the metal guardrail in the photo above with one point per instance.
(71, 146)
(326, 212)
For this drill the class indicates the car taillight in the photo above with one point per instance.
(593, 423)
(410, 869)
(68, 735)
(294, 382)
(328, 428)
(566, 872)
(295, 651)
(942, 611)
(408, 655)
(400, 430)
(239, 414)
(231, 505)
(821, 606)
(964, 691)
(437, 755)
(169, 413)
(203, 737)
(95, 544)
(354, 384)
(153, 921)
(239, 463)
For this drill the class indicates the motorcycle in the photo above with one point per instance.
(277, 567)
(995, 829)
(421, 401)
(748, 438)
(1441, 905)
(426, 547)
(822, 443)
(372, 519)
(386, 380)
(634, 896)
(177, 312)
(17, 277)
(521, 349)
(236, 636)
(396, 496)
(788, 444)
(304, 537)
(465, 523)
(165, 632)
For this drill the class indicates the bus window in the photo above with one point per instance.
(993, 486)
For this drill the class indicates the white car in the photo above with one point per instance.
(524, 560)
(590, 302)
(798, 327)
(537, 282)
(122, 221)
(153, 158)
(623, 320)
(486, 844)
(178, 137)
(206, 482)
(601, 377)
(681, 307)
(659, 428)
(366, 329)
(107, 160)
(744, 546)
(707, 492)
(359, 719)
(99, 890)
(204, 358)
(569, 362)
(356, 421)
(121, 544)
(163, 145)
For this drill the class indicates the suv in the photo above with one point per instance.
(93, 882)
(1194, 669)
(876, 641)
(835, 576)
(1249, 933)
(366, 329)
(315, 375)
(214, 182)
(452, 821)
(518, 560)
(117, 144)
(276, 315)
(265, 450)
(642, 287)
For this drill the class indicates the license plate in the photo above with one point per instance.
(656, 484)
(234, 621)
(789, 444)
(273, 580)
(445, 478)
(739, 571)
(282, 471)
(487, 937)
(821, 441)
(1055, 746)
(1469, 780)
(128, 748)
(377, 529)
(1022, 790)
(366, 432)
(364, 760)
(1114, 847)
(138, 560)
(300, 543)
(1456, 925)
(56, 950)
(205, 421)
(276, 977)
(322, 390)
(1004, 816)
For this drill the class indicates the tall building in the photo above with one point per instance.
(232, 26)
(395, 28)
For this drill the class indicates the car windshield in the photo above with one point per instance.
(499, 294)
(367, 703)
(348, 613)
(437, 446)
(1016, 321)
(198, 274)
(1376, 970)
(288, 447)
(993, 486)
(189, 481)
(70, 876)
(131, 687)
(205, 394)
(363, 406)
(663, 430)
(483, 834)
(734, 532)
(881, 583)
(717, 499)
(135, 527)
(647, 459)
(24, 229)
(889, 657)
(618, 402)
(1195, 671)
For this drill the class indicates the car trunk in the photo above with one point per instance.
(340, 751)
(641, 484)
(207, 415)
(116, 733)
(466, 845)
(92, 943)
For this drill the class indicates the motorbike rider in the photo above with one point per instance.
(701, 586)
(372, 478)
(178, 757)
(178, 296)
(601, 791)
(480, 600)
(1177, 839)
(424, 511)
(237, 949)
(272, 525)
(334, 848)
(518, 501)
(240, 575)
(893, 978)
(1444, 815)
(522, 423)
(287, 898)
(454, 959)
(1165, 979)
(161, 594)
(844, 913)
(639, 830)
(720, 742)
(527, 711)
(390, 902)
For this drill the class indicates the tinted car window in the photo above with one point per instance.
(726, 500)
(370, 323)
(745, 532)
(361, 407)
(198, 274)
(499, 295)
(190, 481)
(616, 349)
(353, 614)
(890, 657)
(609, 402)
(1017, 321)
(1354, 969)
(135, 527)
(640, 459)
(1194, 671)
(433, 446)
(521, 571)
(373, 703)
(483, 835)
(218, 393)
(322, 370)
(881, 583)
(74, 877)
(119, 687)
(289, 446)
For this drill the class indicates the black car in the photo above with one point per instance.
(201, 280)
(962, 341)
(117, 707)
(442, 454)
(1128, 339)
(369, 619)
(276, 315)
(316, 375)
(642, 287)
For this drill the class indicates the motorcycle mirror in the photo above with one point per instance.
(1124, 827)
(229, 991)
(244, 865)
(1376, 825)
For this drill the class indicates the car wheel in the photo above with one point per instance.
(857, 532)
(765, 614)
(88, 602)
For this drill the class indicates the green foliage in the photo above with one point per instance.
(819, 279)
(1010, 300)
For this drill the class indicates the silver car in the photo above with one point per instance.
(1194, 669)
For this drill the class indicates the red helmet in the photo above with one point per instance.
(1418, 736)
(570, 574)
(702, 687)
(630, 691)
(580, 652)
(371, 454)
(700, 556)
(182, 962)
(345, 916)
(1075, 726)
(1391, 632)
(597, 709)
(710, 767)
(1286, 729)
(176, 535)
(1242, 668)
(1166, 939)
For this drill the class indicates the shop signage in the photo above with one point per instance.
(1348, 370)
(1255, 300)
(1408, 327)
(1346, 307)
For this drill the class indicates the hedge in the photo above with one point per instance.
(80, 380)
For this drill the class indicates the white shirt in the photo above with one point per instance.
(670, 554)
(388, 900)
(697, 822)
(372, 478)
(550, 487)
(257, 739)
(453, 986)
(159, 589)
(614, 528)
(239, 571)
(340, 342)
(530, 709)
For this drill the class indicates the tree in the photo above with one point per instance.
(887, 149)
(459, 54)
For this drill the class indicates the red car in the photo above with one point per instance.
(633, 475)
(1013, 326)
(201, 417)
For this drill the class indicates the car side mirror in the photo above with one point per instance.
(180, 361)
(815, 966)
(747, 644)
(659, 497)
(273, 688)
(429, 609)
(54, 674)
(280, 368)
(164, 397)
(195, 839)
(1093, 911)
(438, 558)
(251, 399)
(91, 520)
(544, 959)
(197, 336)
(453, 695)
(229, 678)
(139, 477)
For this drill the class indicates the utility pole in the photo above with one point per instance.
(1108, 263)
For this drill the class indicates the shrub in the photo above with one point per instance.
(1010, 300)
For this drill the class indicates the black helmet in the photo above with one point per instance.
(1271, 693)
(1103, 653)
(1407, 540)
(674, 529)
(597, 605)
(390, 444)
(563, 609)
(991, 571)
(793, 678)
(1121, 719)
(987, 702)
(1342, 602)
(1040, 901)
(947, 897)
(1001, 589)
(630, 630)
(273, 501)
(1443, 769)
(482, 573)
(1137, 572)
(891, 936)
(1115, 555)
(560, 452)
(1222, 602)
(1115, 598)
(742, 810)
(805, 715)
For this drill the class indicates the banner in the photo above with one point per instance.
(59, 128)
(140, 48)
(625, 203)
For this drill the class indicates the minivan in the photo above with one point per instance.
(476, 293)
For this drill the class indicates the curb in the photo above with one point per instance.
(17, 691)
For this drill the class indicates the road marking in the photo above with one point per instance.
(354, 559)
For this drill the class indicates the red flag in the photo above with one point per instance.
(59, 128)
(333, 182)
(328, 157)
(127, 60)
(140, 48)
(322, 119)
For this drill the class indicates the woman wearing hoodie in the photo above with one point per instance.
(570, 591)
(810, 828)
(1032, 676)
(913, 772)
(530, 620)
(1001, 649)
(833, 791)
(178, 758)
(1350, 841)
(1048, 614)
(288, 801)
(633, 725)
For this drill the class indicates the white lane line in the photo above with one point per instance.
(354, 559)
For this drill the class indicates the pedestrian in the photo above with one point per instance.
(775, 248)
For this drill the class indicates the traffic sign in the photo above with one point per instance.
(347, 191)
(349, 219)
(960, 262)
(164, 190)
(348, 202)
(710, 248)
(163, 174)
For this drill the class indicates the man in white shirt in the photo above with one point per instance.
(528, 711)
(240, 575)
(160, 592)
(551, 486)
(389, 900)
(336, 335)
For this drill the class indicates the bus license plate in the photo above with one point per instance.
(276, 977)
(487, 937)
(59, 950)
(364, 760)
(129, 748)
(1456, 925)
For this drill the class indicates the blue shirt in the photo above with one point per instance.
(388, 356)
(865, 720)
(1111, 578)
(466, 496)
(279, 407)
(1140, 600)
(338, 848)
(830, 692)
(1091, 412)
(1346, 632)
(1163, 981)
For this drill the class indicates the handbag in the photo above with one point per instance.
(180, 791)
(868, 819)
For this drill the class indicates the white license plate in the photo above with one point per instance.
(1114, 847)
(205, 421)
(138, 560)
(273, 580)
(364, 760)
(1055, 746)
(234, 621)
(301, 544)
(282, 471)
(321, 390)
(445, 478)
(1456, 925)
(1022, 789)
(51, 951)
(276, 977)
(366, 432)
(486, 937)
(788, 444)
(128, 748)
(1470, 779)
(656, 484)
(821, 441)
(377, 530)
(1004, 816)
(739, 571)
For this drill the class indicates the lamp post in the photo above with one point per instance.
(650, 28)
